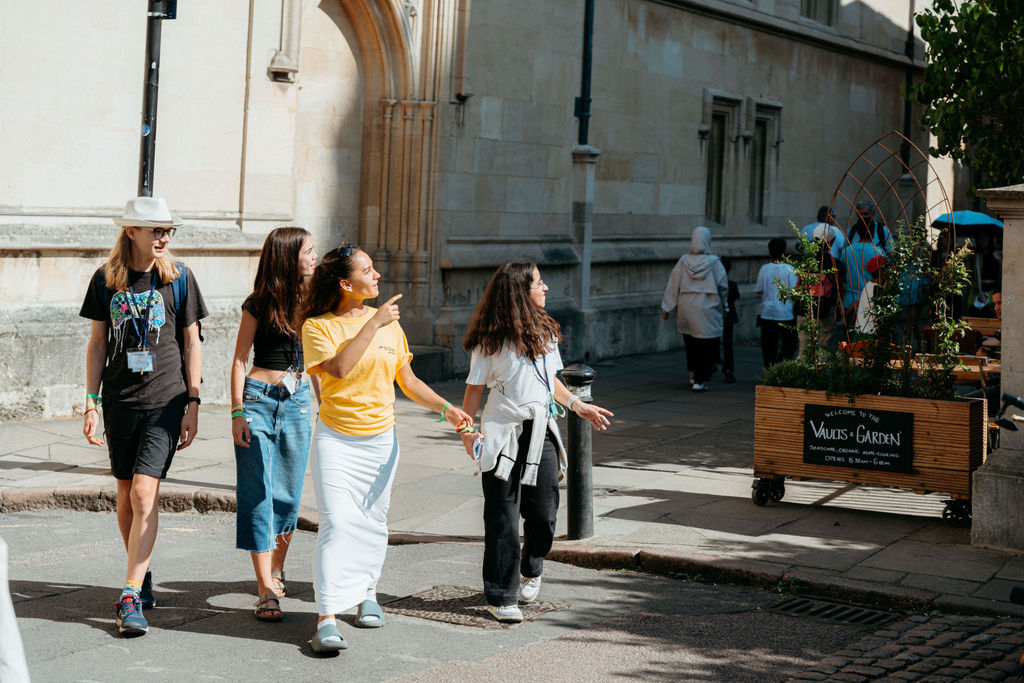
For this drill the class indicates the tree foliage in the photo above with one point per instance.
(973, 87)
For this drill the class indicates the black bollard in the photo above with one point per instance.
(579, 486)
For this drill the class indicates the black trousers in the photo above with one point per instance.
(700, 356)
(728, 361)
(772, 332)
(504, 503)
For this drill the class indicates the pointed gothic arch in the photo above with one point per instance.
(403, 48)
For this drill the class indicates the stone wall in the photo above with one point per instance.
(439, 133)
(659, 69)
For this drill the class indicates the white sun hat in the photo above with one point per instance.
(148, 212)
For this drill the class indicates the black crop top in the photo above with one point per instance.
(272, 349)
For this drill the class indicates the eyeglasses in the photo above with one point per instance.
(160, 233)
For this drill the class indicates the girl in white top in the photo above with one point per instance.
(514, 343)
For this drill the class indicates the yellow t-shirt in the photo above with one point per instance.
(363, 403)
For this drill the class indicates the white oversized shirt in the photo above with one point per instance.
(520, 389)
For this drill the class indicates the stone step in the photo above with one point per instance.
(432, 363)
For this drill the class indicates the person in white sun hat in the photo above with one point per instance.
(142, 366)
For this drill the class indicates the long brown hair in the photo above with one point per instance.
(115, 270)
(507, 316)
(325, 287)
(277, 289)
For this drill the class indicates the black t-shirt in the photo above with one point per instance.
(271, 348)
(149, 390)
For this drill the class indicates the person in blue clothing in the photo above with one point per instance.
(867, 239)
(867, 229)
(270, 411)
(826, 228)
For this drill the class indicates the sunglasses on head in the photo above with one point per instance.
(346, 249)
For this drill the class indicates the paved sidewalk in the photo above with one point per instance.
(672, 495)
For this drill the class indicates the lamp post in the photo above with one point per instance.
(158, 11)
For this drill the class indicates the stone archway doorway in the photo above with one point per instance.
(373, 75)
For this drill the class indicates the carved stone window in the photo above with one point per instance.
(719, 130)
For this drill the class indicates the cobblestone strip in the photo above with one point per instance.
(933, 649)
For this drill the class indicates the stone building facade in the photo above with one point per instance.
(438, 134)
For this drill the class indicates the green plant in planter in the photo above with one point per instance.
(886, 367)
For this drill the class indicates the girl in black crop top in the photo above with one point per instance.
(270, 411)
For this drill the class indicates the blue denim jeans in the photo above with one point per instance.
(270, 470)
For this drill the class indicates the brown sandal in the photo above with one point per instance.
(277, 582)
(269, 608)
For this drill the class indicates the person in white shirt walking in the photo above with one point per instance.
(777, 318)
(514, 343)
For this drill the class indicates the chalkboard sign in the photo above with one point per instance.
(856, 437)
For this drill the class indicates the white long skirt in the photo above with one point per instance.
(352, 476)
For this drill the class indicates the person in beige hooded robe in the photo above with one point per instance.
(697, 290)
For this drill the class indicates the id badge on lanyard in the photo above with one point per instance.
(141, 358)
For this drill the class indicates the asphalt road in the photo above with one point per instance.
(66, 567)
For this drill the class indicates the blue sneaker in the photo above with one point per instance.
(146, 592)
(130, 621)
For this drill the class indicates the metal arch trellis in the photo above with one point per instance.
(876, 176)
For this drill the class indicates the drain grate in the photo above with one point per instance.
(462, 606)
(831, 612)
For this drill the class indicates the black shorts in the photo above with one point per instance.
(142, 441)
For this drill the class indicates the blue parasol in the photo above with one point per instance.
(968, 223)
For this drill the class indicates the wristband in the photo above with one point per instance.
(468, 430)
(444, 408)
(94, 397)
(571, 401)
(234, 408)
(237, 413)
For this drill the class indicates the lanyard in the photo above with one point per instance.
(543, 375)
(136, 315)
(554, 410)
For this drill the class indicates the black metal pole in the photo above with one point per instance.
(147, 147)
(579, 484)
(583, 101)
(908, 50)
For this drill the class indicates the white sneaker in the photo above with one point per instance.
(528, 589)
(510, 614)
(700, 387)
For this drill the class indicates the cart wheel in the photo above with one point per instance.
(957, 511)
(760, 493)
(777, 489)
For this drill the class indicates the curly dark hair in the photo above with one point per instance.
(507, 316)
(277, 288)
(325, 286)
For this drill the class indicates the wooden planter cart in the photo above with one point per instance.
(923, 445)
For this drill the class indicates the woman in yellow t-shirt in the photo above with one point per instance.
(358, 352)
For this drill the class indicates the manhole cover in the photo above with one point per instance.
(831, 612)
(463, 606)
